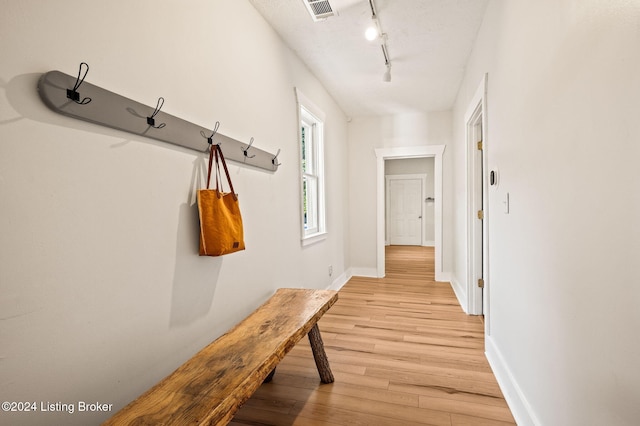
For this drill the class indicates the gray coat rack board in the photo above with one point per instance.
(100, 106)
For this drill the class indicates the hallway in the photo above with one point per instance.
(402, 352)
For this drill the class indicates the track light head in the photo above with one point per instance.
(386, 77)
(371, 33)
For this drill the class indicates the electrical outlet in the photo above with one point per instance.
(330, 270)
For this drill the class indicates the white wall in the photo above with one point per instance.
(563, 90)
(103, 292)
(423, 166)
(365, 135)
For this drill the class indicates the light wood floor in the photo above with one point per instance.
(402, 352)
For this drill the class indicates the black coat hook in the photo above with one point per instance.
(73, 94)
(274, 160)
(210, 138)
(246, 150)
(151, 120)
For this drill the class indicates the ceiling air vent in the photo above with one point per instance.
(319, 9)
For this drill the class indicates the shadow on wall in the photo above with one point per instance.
(195, 277)
(4, 120)
(22, 93)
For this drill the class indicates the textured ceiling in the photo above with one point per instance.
(429, 42)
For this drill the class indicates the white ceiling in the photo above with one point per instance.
(428, 42)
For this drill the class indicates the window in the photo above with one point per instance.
(311, 172)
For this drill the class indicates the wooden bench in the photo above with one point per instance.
(210, 387)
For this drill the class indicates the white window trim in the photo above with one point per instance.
(319, 115)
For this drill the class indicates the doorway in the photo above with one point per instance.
(477, 288)
(405, 213)
(476, 212)
(382, 154)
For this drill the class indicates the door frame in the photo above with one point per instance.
(476, 114)
(423, 183)
(382, 154)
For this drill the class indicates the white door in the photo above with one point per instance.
(405, 211)
(477, 286)
(478, 208)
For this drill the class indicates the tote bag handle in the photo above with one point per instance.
(217, 151)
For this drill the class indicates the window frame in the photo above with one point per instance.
(311, 145)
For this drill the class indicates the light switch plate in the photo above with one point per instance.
(506, 203)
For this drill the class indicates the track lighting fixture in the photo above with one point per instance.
(375, 32)
(386, 77)
(372, 33)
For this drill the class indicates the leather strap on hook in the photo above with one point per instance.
(217, 152)
(211, 149)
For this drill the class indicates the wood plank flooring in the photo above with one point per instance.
(402, 352)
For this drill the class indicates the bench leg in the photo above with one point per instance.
(270, 376)
(319, 355)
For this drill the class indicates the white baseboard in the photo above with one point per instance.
(443, 277)
(341, 280)
(429, 244)
(461, 294)
(364, 272)
(518, 404)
